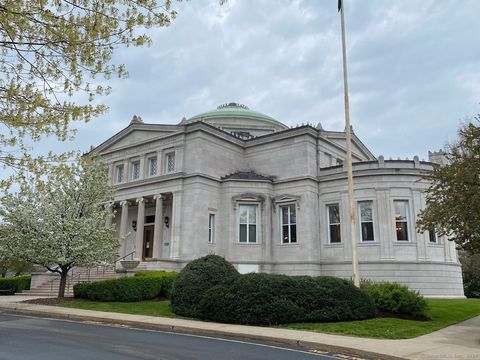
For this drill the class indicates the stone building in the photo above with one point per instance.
(270, 198)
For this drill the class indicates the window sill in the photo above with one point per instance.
(335, 245)
(288, 244)
(247, 244)
(435, 245)
(211, 244)
(369, 243)
(404, 243)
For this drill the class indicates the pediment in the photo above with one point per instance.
(135, 137)
(135, 134)
(337, 142)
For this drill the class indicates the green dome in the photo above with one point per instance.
(233, 110)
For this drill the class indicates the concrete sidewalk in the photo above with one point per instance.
(460, 341)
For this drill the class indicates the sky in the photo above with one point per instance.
(413, 66)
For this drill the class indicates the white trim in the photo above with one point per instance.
(327, 206)
(289, 205)
(211, 228)
(407, 221)
(257, 223)
(117, 167)
(360, 221)
(166, 156)
(149, 159)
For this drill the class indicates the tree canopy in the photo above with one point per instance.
(53, 52)
(60, 223)
(453, 198)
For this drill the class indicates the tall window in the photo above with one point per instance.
(334, 223)
(289, 224)
(432, 235)
(365, 209)
(401, 219)
(170, 162)
(247, 223)
(211, 228)
(152, 166)
(135, 170)
(119, 173)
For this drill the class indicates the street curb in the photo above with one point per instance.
(349, 353)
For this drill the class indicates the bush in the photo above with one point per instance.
(266, 299)
(195, 279)
(15, 284)
(126, 289)
(167, 278)
(397, 299)
(471, 287)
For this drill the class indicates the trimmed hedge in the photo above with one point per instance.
(195, 279)
(397, 299)
(15, 284)
(167, 277)
(127, 289)
(266, 299)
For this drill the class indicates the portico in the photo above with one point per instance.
(145, 225)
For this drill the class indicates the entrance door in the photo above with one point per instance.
(148, 241)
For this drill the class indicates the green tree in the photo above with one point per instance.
(453, 196)
(471, 274)
(53, 50)
(60, 223)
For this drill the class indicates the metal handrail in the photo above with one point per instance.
(123, 257)
(74, 277)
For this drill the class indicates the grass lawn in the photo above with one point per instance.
(443, 312)
(151, 307)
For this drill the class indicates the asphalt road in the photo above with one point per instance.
(25, 337)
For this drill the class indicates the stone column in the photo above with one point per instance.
(385, 226)
(123, 225)
(158, 230)
(176, 224)
(108, 220)
(140, 223)
(421, 238)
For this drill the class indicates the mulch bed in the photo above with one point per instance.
(48, 301)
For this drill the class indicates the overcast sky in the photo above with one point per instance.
(414, 69)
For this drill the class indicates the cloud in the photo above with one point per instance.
(414, 69)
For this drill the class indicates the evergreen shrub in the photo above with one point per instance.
(266, 299)
(127, 289)
(396, 299)
(15, 284)
(195, 279)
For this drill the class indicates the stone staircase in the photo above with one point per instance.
(76, 275)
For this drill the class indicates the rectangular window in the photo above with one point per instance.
(119, 173)
(135, 170)
(401, 219)
(152, 166)
(334, 223)
(247, 223)
(170, 162)
(289, 224)
(432, 235)
(365, 210)
(211, 228)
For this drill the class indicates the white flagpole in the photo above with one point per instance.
(348, 134)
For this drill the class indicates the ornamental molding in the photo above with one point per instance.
(285, 199)
(248, 197)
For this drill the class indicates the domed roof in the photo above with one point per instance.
(234, 110)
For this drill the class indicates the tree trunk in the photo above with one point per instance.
(63, 283)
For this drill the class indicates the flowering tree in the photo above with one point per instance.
(55, 60)
(60, 222)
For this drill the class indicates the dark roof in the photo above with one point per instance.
(247, 175)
